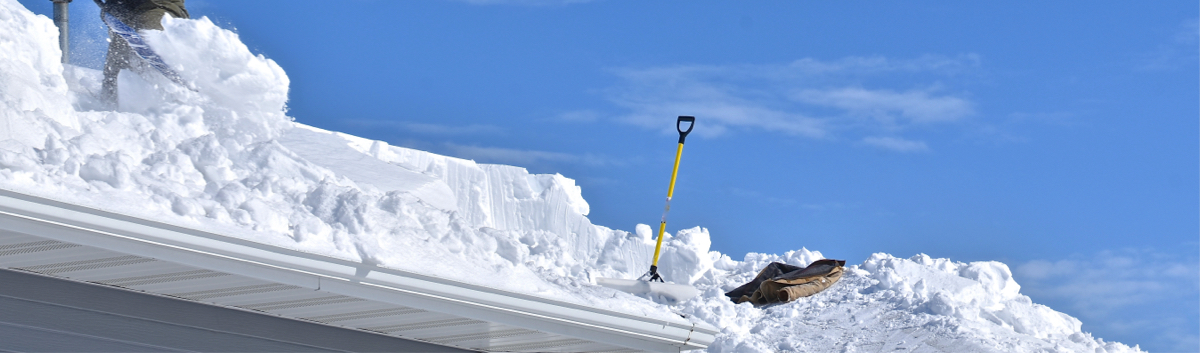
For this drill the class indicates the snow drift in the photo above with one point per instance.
(228, 158)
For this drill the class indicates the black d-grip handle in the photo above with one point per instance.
(691, 120)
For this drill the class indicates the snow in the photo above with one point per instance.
(227, 158)
(885, 304)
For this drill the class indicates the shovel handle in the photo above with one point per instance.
(662, 226)
(691, 120)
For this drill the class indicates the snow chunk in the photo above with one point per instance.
(245, 94)
(332, 151)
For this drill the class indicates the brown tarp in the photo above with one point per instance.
(782, 283)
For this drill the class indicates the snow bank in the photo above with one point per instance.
(891, 304)
(33, 99)
(227, 158)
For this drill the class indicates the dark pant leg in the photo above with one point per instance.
(116, 60)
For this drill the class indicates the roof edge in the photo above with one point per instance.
(82, 225)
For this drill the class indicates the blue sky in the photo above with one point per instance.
(1060, 138)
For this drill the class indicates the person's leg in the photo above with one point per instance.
(120, 55)
(116, 60)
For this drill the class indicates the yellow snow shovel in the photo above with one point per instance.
(652, 282)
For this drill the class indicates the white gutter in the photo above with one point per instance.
(124, 234)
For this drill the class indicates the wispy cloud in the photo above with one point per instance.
(759, 196)
(510, 156)
(806, 98)
(721, 110)
(885, 106)
(431, 129)
(1176, 52)
(1060, 118)
(827, 206)
(526, 2)
(832, 71)
(1111, 279)
(586, 116)
(896, 144)
(436, 129)
(1100, 288)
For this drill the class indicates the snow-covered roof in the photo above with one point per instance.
(85, 244)
(324, 226)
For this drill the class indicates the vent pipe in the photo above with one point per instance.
(60, 20)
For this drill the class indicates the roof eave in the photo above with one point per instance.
(120, 233)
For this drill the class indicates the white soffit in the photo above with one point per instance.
(71, 241)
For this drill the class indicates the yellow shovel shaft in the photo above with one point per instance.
(662, 226)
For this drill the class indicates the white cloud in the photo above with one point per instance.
(432, 129)
(805, 98)
(437, 129)
(584, 116)
(810, 69)
(878, 64)
(519, 157)
(1188, 32)
(885, 105)
(1179, 51)
(526, 2)
(760, 197)
(896, 144)
(721, 112)
(656, 95)
(1101, 288)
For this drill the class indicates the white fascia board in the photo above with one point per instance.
(114, 232)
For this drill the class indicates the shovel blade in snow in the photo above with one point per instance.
(677, 292)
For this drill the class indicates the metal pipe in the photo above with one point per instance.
(60, 20)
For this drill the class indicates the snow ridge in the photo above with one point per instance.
(228, 158)
(888, 304)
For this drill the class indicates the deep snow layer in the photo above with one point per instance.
(228, 159)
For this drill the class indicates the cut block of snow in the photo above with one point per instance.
(333, 152)
(231, 78)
